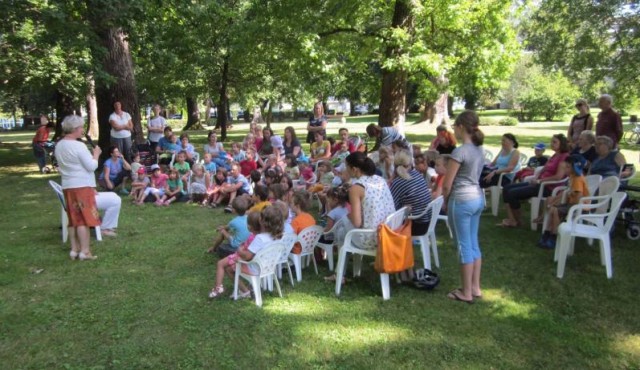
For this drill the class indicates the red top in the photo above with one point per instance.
(247, 166)
(338, 145)
(609, 124)
(42, 135)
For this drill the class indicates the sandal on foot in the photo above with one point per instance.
(455, 296)
(508, 224)
(216, 292)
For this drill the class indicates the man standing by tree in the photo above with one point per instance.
(609, 121)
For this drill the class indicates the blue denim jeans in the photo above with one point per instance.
(464, 219)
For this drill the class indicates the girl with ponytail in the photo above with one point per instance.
(465, 202)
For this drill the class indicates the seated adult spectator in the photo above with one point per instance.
(266, 149)
(385, 136)
(585, 146)
(320, 148)
(609, 162)
(291, 143)
(444, 142)
(114, 171)
(344, 138)
(507, 161)
(515, 193)
(409, 188)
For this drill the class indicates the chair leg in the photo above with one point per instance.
(98, 233)
(606, 247)
(563, 247)
(278, 287)
(257, 292)
(236, 280)
(535, 209)
(315, 265)
(290, 273)
(65, 226)
(357, 264)
(386, 290)
(342, 259)
(279, 271)
(434, 249)
(297, 263)
(426, 255)
(329, 253)
(495, 199)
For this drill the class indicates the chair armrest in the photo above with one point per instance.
(352, 232)
(545, 183)
(578, 208)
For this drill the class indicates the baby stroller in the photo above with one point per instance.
(628, 212)
(148, 155)
(49, 149)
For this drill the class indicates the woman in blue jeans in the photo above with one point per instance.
(465, 202)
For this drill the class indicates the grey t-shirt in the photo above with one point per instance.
(466, 183)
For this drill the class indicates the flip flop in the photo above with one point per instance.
(453, 295)
(507, 224)
(474, 296)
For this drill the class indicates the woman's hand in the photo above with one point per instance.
(490, 176)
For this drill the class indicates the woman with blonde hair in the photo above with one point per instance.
(317, 123)
(77, 166)
(409, 188)
(580, 122)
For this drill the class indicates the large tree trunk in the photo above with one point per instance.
(470, 101)
(193, 113)
(119, 64)
(64, 107)
(92, 109)
(223, 101)
(450, 106)
(394, 82)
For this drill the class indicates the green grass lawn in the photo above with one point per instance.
(143, 303)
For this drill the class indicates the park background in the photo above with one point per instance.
(143, 303)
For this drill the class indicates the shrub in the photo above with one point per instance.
(489, 121)
(508, 121)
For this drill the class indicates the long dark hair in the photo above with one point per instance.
(469, 121)
(564, 143)
(361, 161)
(512, 138)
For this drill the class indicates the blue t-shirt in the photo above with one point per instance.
(162, 142)
(240, 231)
(240, 179)
(211, 167)
(114, 169)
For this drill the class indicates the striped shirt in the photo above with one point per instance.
(413, 192)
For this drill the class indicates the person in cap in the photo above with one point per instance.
(139, 185)
(580, 122)
(578, 188)
(537, 160)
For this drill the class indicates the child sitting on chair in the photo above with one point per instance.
(302, 220)
(538, 160)
(558, 211)
(337, 204)
(260, 198)
(267, 226)
(234, 233)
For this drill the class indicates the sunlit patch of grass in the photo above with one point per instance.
(629, 344)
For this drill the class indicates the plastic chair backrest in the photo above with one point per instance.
(592, 183)
(523, 159)
(616, 202)
(267, 258)
(356, 141)
(340, 229)
(488, 156)
(58, 189)
(435, 206)
(289, 240)
(308, 238)
(396, 219)
(607, 187)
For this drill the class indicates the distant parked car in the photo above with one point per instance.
(361, 109)
(176, 116)
(240, 115)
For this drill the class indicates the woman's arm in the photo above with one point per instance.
(322, 126)
(106, 171)
(125, 164)
(589, 123)
(452, 171)
(513, 162)
(89, 162)
(327, 151)
(356, 193)
(296, 151)
(560, 174)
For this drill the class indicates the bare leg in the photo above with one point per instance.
(82, 233)
(475, 280)
(73, 238)
(243, 288)
(221, 266)
(554, 220)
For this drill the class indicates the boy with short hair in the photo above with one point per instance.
(300, 207)
(234, 233)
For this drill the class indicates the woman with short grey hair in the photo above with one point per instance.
(609, 162)
(77, 166)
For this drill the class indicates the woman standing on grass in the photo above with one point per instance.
(465, 202)
(77, 166)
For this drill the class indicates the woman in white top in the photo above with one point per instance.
(213, 147)
(77, 166)
(121, 127)
(156, 126)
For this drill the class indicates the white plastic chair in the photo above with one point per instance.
(488, 156)
(496, 190)
(592, 184)
(445, 218)
(266, 261)
(394, 221)
(429, 238)
(308, 238)
(337, 234)
(64, 220)
(289, 240)
(598, 227)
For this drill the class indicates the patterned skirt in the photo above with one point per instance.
(81, 207)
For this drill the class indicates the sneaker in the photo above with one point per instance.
(124, 192)
(228, 210)
(242, 295)
(216, 292)
(549, 244)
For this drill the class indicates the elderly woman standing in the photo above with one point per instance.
(579, 123)
(77, 166)
(409, 188)
(465, 202)
(317, 123)
(609, 162)
(121, 127)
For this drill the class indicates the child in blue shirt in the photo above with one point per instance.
(235, 232)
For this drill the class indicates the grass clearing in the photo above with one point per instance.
(143, 303)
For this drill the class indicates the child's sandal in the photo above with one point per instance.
(216, 292)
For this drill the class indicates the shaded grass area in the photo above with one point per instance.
(143, 303)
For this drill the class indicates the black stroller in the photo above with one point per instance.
(49, 149)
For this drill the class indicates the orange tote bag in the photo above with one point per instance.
(395, 249)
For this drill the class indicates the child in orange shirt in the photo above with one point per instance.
(302, 220)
